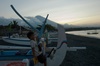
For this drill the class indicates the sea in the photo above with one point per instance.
(87, 33)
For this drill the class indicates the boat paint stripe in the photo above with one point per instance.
(63, 42)
(17, 39)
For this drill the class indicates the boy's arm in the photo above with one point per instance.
(39, 47)
(33, 52)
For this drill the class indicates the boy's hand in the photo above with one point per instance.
(42, 39)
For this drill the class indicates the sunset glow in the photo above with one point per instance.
(73, 12)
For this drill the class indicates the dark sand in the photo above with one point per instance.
(88, 57)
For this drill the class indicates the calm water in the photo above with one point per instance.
(84, 33)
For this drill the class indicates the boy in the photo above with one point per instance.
(37, 49)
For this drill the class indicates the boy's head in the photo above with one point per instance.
(30, 35)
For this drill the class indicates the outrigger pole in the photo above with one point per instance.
(23, 18)
(40, 33)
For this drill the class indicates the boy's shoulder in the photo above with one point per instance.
(32, 41)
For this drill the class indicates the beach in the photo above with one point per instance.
(88, 57)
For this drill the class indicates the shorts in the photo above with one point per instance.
(41, 58)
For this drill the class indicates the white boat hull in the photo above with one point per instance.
(13, 47)
(19, 41)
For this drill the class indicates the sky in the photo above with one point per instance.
(73, 12)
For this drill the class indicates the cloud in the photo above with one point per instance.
(48, 21)
(32, 20)
(6, 21)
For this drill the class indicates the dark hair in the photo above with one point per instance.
(30, 33)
